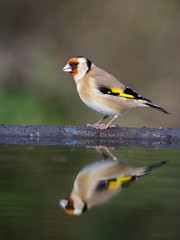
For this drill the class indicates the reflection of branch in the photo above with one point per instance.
(86, 136)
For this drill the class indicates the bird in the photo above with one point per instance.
(102, 92)
(100, 181)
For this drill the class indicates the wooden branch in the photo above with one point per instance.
(86, 136)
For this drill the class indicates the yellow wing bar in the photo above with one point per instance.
(121, 94)
(124, 179)
(114, 184)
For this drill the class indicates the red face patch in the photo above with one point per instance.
(70, 207)
(72, 62)
(69, 211)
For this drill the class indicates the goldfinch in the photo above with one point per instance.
(100, 181)
(102, 92)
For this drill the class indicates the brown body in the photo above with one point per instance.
(102, 92)
(100, 181)
(104, 103)
(87, 180)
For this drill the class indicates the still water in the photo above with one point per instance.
(33, 179)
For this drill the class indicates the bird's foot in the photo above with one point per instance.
(101, 126)
(105, 126)
(89, 125)
(113, 126)
(96, 126)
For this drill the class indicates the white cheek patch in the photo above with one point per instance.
(80, 74)
(82, 69)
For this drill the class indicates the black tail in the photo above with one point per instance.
(151, 167)
(150, 104)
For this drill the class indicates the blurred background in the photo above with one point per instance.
(136, 41)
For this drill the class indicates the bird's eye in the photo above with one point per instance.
(74, 64)
(69, 206)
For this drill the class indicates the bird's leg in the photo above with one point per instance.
(98, 148)
(108, 125)
(97, 124)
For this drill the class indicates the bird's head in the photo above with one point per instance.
(78, 67)
(73, 206)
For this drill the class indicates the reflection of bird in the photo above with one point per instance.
(99, 181)
(102, 92)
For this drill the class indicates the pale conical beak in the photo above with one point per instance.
(67, 68)
(63, 203)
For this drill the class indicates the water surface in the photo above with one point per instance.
(34, 178)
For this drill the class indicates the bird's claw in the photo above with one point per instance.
(101, 126)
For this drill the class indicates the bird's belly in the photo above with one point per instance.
(102, 103)
(102, 107)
